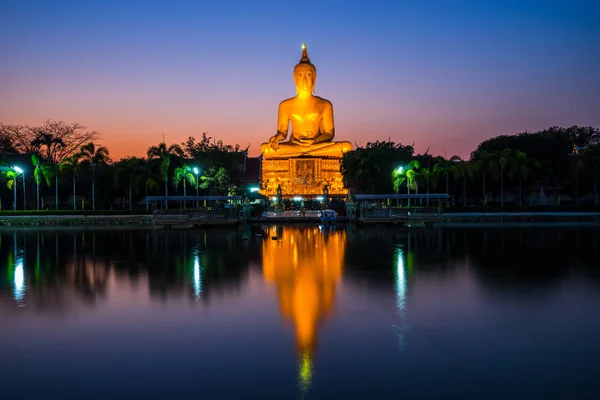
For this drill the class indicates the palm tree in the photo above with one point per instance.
(411, 177)
(129, 170)
(164, 153)
(485, 162)
(92, 156)
(183, 173)
(428, 175)
(445, 167)
(71, 164)
(506, 159)
(11, 175)
(523, 167)
(57, 171)
(150, 179)
(40, 171)
(466, 169)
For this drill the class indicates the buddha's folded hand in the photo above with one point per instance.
(274, 142)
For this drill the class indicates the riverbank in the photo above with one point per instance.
(75, 220)
(441, 219)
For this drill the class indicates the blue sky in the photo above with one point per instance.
(442, 74)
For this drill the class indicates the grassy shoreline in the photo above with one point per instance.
(75, 220)
(127, 219)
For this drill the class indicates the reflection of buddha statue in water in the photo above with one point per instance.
(306, 265)
(311, 118)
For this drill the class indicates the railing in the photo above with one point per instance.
(403, 213)
(292, 214)
(174, 216)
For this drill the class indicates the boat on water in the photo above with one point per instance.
(328, 216)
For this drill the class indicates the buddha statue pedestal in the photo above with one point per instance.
(302, 176)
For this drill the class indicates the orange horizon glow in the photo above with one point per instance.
(126, 142)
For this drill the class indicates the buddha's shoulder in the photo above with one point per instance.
(323, 102)
(316, 99)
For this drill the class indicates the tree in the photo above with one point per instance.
(368, 168)
(215, 180)
(52, 141)
(446, 166)
(150, 179)
(131, 171)
(591, 157)
(11, 176)
(550, 147)
(41, 170)
(428, 175)
(466, 170)
(214, 153)
(506, 159)
(484, 161)
(523, 166)
(163, 154)
(92, 156)
(183, 173)
(6, 144)
(71, 164)
(406, 173)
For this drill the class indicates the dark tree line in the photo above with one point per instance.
(515, 169)
(65, 167)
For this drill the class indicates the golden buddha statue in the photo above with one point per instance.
(311, 118)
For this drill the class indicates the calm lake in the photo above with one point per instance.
(284, 312)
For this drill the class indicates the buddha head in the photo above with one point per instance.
(305, 74)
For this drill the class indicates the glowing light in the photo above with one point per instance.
(303, 46)
(196, 170)
(254, 189)
(320, 198)
(305, 372)
(19, 281)
(273, 198)
(18, 169)
(197, 279)
(297, 198)
(400, 170)
(400, 280)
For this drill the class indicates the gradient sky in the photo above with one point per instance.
(442, 74)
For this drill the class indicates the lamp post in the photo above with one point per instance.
(197, 171)
(399, 172)
(20, 171)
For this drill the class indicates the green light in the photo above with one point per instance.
(253, 189)
(306, 371)
(400, 170)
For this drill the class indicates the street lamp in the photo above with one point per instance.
(197, 171)
(399, 172)
(20, 171)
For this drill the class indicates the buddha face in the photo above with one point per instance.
(305, 77)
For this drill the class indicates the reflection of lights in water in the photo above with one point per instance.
(400, 280)
(306, 266)
(19, 281)
(197, 277)
(305, 372)
(401, 296)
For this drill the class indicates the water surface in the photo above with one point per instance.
(307, 311)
